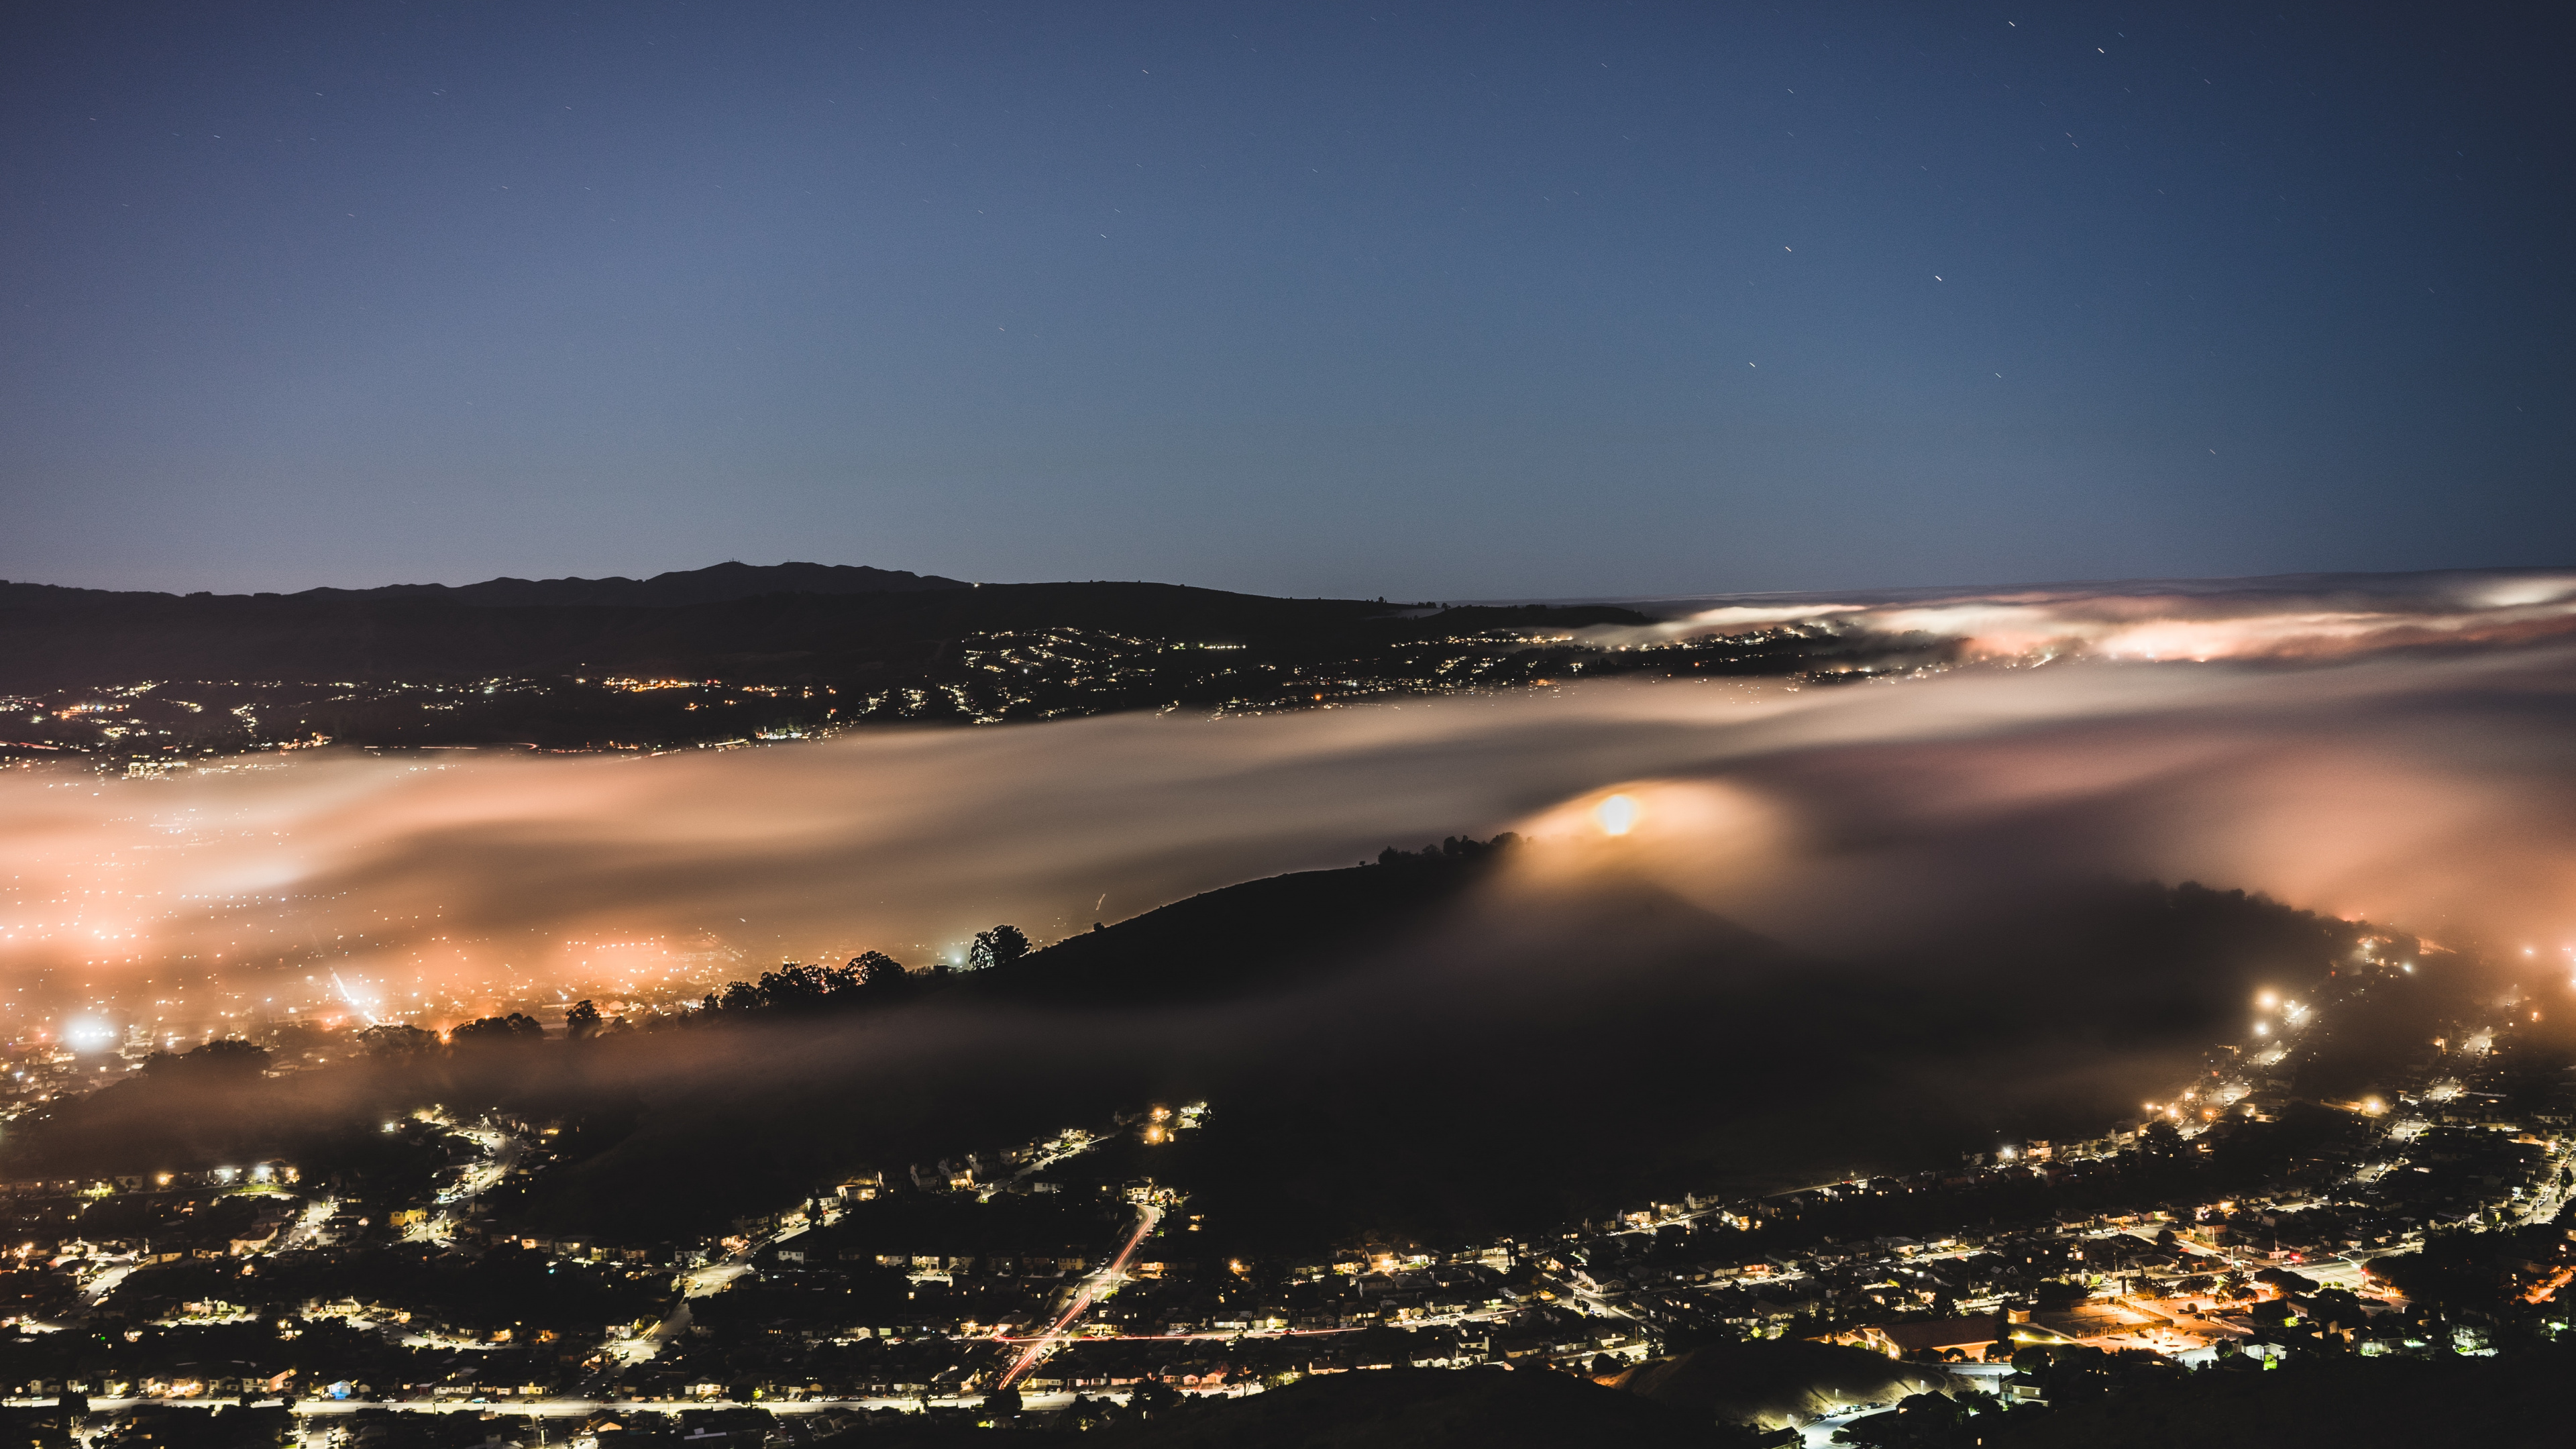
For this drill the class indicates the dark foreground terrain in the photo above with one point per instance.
(1440, 1147)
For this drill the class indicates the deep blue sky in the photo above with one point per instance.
(1473, 300)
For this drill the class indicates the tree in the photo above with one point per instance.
(582, 1022)
(216, 1063)
(1002, 1402)
(797, 988)
(516, 1029)
(879, 975)
(396, 1041)
(999, 946)
(1085, 1413)
(1152, 1396)
(2160, 1138)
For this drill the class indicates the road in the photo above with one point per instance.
(562, 1408)
(500, 1153)
(1098, 1285)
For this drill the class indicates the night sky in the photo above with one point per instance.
(1424, 301)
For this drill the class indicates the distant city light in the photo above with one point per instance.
(88, 1033)
(1618, 815)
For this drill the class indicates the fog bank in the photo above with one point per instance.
(2427, 789)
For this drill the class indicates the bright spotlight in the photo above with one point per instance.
(88, 1034)
(1618, 815)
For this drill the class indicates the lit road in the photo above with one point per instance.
(95, 1291)
(1095, 1287)
(564, 1407)
(695, 1283)
(500, 1153)
(305, 1229)
(1066, 1146)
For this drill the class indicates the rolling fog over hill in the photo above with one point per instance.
(2420, 788)
(1417, 1050)
(1386, 796)
(1737, 937)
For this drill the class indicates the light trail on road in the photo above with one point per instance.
(1147, 1216)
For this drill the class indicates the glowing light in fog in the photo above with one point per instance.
(1618, 815)
(88, 1034)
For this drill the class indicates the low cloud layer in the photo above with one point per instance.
(2429, 788)
(2295, 617)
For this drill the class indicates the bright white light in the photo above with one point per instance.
(2265, 1000)
(2260, 1029)
(88, 1033)
(1618, 815)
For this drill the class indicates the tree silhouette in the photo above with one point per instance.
(999, 946)
(215, 1063)
(880, 975)
(394, 1041)
(516, 1029)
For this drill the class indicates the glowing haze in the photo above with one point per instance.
(2285, 618)
(2426, 788)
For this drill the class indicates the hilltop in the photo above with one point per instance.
(1433, 1046)
(731, 653)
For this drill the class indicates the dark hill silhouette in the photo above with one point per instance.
(713, 585)
(791, 623)
(1489, 1053)
(1425, 1049)
(1272, 934)
(61, 638)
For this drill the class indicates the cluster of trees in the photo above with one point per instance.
(396, 1041)
(871, 978)
(1453, 848)
(216, 1064)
